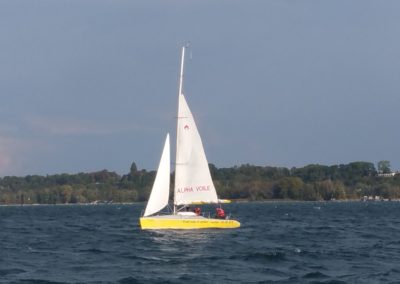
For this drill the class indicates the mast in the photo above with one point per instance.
(180, 93)
(193, 182)
(181, 73)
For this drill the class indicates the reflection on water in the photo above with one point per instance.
(189, 243)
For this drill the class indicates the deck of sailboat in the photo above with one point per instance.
(178, 217)
(185, 222)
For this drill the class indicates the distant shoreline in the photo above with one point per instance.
(354, 181)
(233, 201)
(72, 204)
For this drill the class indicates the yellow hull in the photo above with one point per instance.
(154, 223)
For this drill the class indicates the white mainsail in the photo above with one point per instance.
(193, 183)
(160, 191)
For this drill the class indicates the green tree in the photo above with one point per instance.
(66, 193)
(134, 169)
(384, 167)
(340, 191)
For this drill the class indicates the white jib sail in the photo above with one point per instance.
(193, 183)
(160, 192)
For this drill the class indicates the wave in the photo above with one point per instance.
(133, 280)
(4, 272)
(93, 250)
(268, 248)
(41, 281)
(333, 281)
(130, 280)
(315, 274)
(260, 256)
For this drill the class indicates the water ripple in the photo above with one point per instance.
(338, 242)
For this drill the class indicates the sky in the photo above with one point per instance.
(91, 85)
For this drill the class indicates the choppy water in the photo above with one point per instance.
(349, 242)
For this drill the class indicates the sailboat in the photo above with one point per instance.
(193, 183)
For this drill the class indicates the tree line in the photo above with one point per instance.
(249, 182)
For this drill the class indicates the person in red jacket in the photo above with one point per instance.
(197, 210)
(220, 213)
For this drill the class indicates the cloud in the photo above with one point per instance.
(5, 160)
(12, 155)
(57, 126)
(68, 126)
(35, 142)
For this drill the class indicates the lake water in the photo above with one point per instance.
(279, 242)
